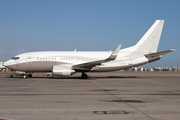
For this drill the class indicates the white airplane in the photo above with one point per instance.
(70, 62)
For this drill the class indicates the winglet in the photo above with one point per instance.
(114, 54)
(116, 51)
(172, 50)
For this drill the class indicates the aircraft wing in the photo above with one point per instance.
(88, 65)
(159, 53)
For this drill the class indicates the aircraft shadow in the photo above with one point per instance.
(93, 78)
(76, 77)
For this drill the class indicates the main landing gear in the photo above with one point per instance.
(84, 75)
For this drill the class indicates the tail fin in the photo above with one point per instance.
(150, 41)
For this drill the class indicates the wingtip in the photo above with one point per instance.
(117, 49)
(173, 50)
(119, 46)
(160, 20)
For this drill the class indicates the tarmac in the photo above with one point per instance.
(103, 96)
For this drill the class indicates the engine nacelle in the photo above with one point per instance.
(62, 70)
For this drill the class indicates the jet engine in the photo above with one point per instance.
(62, 70)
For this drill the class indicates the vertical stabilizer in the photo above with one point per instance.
(150, 41)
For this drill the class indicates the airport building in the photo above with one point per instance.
(153, 69)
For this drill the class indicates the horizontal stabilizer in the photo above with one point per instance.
(159, 53)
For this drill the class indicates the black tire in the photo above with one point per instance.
(24, 76)
(29, 76)
(84, 76)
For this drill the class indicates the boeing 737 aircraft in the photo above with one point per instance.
(70, 62)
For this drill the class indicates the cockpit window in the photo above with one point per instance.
(15, 58)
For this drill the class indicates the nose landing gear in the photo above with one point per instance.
(25, 76)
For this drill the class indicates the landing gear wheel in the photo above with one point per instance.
(84, 76)
(24, 76)
(11, 76)
(30, 76)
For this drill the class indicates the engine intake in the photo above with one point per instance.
(62, 70)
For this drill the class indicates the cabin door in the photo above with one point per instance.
(29, 58)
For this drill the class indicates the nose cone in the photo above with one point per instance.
(10, 64)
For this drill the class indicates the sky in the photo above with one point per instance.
(86, 25)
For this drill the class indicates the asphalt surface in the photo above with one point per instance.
(103, 96)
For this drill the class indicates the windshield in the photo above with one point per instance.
(15, 58)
